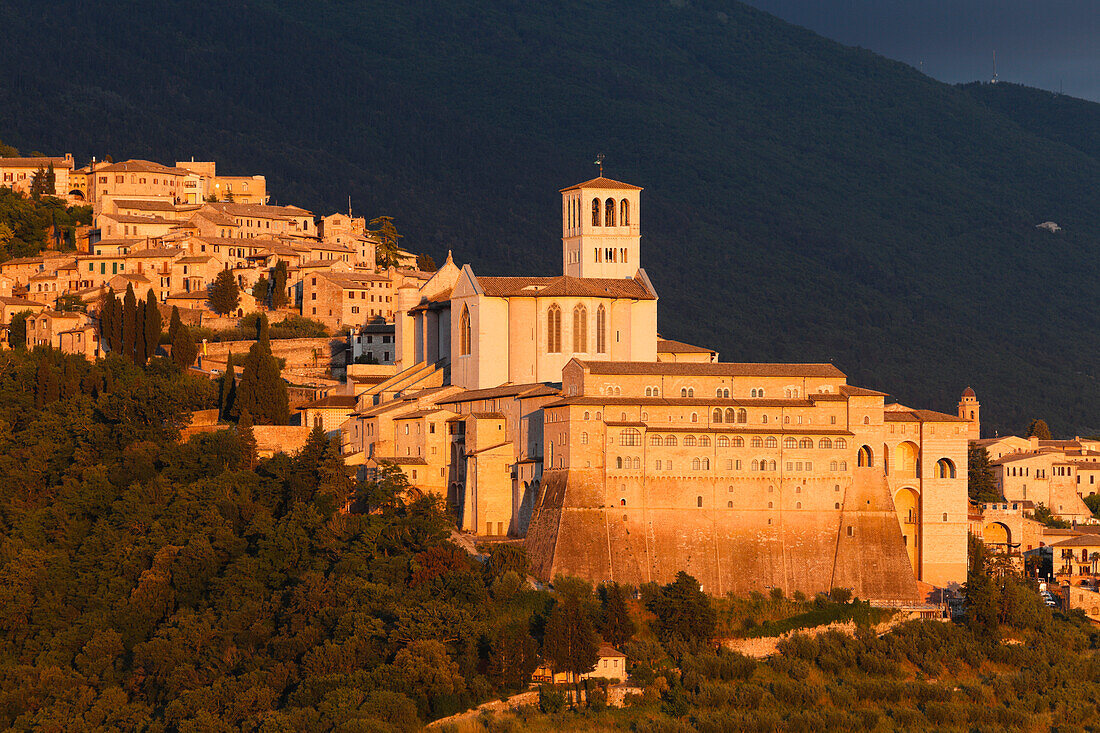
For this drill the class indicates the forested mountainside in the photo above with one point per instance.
(804, 200)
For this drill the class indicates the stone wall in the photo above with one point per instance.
(577, 531)
(305, 353)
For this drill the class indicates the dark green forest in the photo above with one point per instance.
(149, 583)
(804, 200)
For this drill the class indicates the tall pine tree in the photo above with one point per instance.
(262, 390)
(184, 350)
(129, 322)
(151, 326)
(173, 324)
(228, 392)
(278, 285)
(248, 441)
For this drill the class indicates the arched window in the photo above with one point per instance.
(624, 213)
(601, 330)
(637, 463)
(587, 415)
(683, 391)
(595, 212)
(731, 416)
(670, 440)
(584, 438)
(619, 462)
(464, 332)
(656, 391)
(755, 465)
(738, 442)
(698, 501)
(580, 329)
(648, 391)
(790, 442)
(689, 440)
(806, 443)
(704, 441)
(742, 415)
(832, 465)
(706, 464)
(656, 440)
(945, 468)
(695, 417)
(609, 213)
(770, 442)
(757, 441)
(841, 443)
(694, 463)
(771, 465)
(825, 443)
(722, 442)
(866, 419)
(553, 329)
(866, 458)
(764, 419)
(630, 436)
(716, 416)
(691, 391)
(729, 505)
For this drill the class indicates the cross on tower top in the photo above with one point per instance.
(599, 162)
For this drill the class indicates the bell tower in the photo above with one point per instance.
(971, 411)
(600, 232)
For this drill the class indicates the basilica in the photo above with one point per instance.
(548, 408)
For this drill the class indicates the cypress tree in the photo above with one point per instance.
(262, 390)
(278, 285)
(139, 334)
(184, 350)
(151, 325)
(129, 322)
(223, 293)
(228, 392)
(1038, 428)
(173, 324)
(260, 291)
(263, 333)
(247, 437)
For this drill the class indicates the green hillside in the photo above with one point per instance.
(804, 200)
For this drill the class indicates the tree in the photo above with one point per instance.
(981, 484)
(223, 293)
(173, 324)
(38, 183)
(17, 331)
(386, 253)
(260, 291)
(228, 389)
(247, 439)
(513, 656)
(684, 611)
(278, 285)
(1044, 514)
(184, 350)
(262, 390)
(110, 322)
(129, 322)
(425, 263)
(570, 642)
(980, 592)
(1038, 428)
(616, 625)
(152, 326)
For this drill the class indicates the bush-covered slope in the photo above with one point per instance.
(804, 200)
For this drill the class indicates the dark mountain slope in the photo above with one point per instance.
(803, 200)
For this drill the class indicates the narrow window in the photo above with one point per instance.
(601, 330)
(580, 329)
(609, 213)
(553, 329)
(464, 332)
(595, 212)
(624, 213)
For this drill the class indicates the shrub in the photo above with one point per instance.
(551, 700)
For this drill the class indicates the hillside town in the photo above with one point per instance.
(547, 408)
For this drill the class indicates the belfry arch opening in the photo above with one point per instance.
(866, 457)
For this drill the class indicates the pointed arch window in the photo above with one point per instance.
(580, 329)
(609, 213)
(601, 330)
(624, 213)
(595, 212)
(464, 332)
(553, 329)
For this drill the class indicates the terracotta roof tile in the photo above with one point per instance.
(668, 346)
(564, 286)
(719, 369)
(601, 182)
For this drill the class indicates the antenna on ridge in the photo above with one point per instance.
(994, 81)
(599, 162)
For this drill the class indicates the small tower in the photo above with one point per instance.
(600, 235)
(971, 411)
